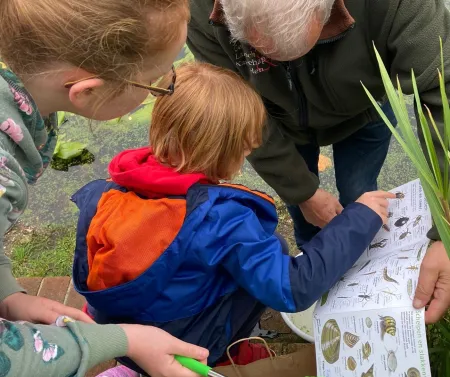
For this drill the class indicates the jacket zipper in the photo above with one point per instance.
(294, 84)
(336, 38)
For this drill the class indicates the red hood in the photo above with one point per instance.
(139, 171)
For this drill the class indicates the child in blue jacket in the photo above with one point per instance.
(164, 243)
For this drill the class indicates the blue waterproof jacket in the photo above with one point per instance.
(224, 266)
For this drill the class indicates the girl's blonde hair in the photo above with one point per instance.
(209, 123)
(107, 38)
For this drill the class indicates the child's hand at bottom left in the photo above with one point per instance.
(153, 349)
(22, 307)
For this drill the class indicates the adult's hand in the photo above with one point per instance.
(22, 307)
(153, 350)
(321, 208)
(434, 283)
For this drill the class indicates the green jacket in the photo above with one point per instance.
(27, 142)
(319, 97)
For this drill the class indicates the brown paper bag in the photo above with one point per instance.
(299, 364)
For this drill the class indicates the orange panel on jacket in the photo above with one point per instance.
(128, 234)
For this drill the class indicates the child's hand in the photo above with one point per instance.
(377, 201)
(153, 349)
(23, 307)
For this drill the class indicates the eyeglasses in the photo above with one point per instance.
(154, 90)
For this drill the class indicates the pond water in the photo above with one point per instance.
(50, 198)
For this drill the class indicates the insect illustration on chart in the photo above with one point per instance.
(404, 234)
(387, 277)
(351, 286)
(364, 266)
(400, 195)
(378, 245)
(419, 254)
(409, 288)
(385, 226)
(401, 221)
(344, 300)
(417, 220)
(390, 293)
(365, 298)
(413, 268)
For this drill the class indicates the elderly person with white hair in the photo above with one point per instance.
(307, 59)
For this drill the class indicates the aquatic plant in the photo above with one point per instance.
(434, 177)
(433, 174)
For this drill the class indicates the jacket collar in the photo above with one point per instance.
(340, 20)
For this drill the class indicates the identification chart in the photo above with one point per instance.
(366, 326)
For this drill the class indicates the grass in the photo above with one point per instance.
(433, 173)
(438, 337)
(44, 252)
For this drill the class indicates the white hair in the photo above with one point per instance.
(286, 22)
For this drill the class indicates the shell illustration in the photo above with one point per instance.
(368, 322)
(392, 361)
(413, 372)
(350, 339)
(388, 326)
(366, 350)
(351, 363)
(331, 341)
(369, 373)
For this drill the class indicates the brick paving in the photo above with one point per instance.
(62, 290)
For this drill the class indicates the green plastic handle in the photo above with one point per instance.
(193, 365)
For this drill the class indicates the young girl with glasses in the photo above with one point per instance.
(97, 59)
